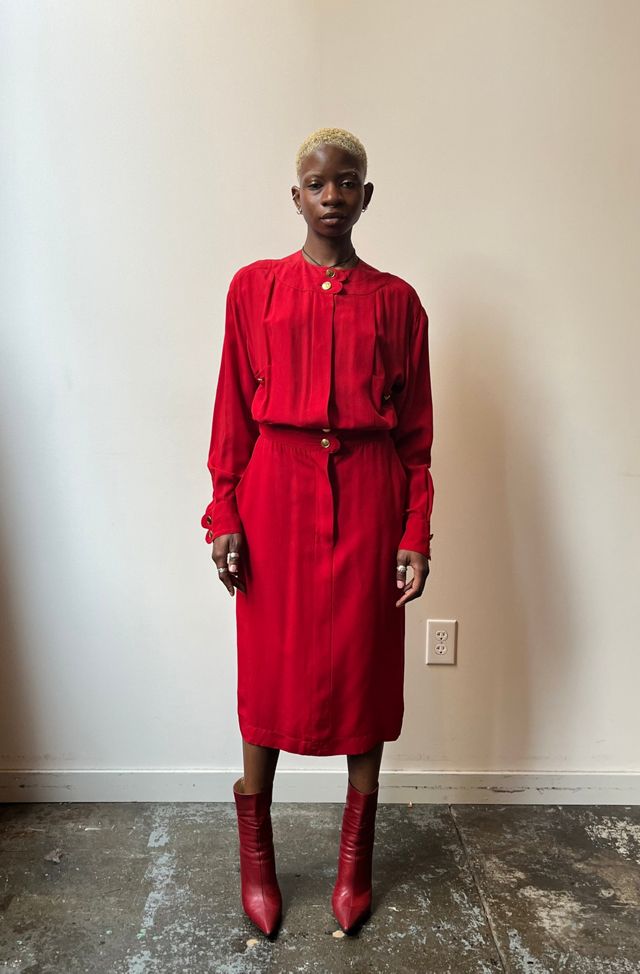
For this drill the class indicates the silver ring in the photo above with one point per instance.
(221, 571)
(233, 555)
(401, 568)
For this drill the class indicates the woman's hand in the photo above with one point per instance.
(420, 567)
(227, 554)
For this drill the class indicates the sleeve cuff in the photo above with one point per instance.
(416, 537)
(221, 517)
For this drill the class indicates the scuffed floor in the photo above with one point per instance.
(468, 889)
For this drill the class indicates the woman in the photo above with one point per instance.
(322, 496)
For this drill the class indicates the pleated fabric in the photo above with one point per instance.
(320, 455)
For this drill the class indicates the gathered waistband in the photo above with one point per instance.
(322, 439)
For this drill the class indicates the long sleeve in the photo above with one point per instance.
(233, 430)
(413, 437)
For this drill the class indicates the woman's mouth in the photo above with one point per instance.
(334, 218)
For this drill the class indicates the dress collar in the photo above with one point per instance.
(297, 272)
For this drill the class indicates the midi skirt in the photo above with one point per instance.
(320, 641)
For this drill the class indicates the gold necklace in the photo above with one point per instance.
(353, 254)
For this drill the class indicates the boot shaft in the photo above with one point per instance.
(254, 821)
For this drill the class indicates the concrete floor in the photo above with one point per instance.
(146, 888)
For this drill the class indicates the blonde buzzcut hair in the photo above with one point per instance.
(331, 136)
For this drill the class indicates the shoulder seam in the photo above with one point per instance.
(263, 264)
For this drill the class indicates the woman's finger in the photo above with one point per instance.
(412, 590)
(234, 560)
(402, 572)
(420, 568)
(229, 569)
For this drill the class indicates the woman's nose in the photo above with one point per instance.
(331, 194)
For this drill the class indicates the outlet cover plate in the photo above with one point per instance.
(442, 638)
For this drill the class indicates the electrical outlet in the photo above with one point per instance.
(441, 640)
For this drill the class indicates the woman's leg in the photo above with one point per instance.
(365, 768)
(352, 893)
(259, 768)
(261, 896)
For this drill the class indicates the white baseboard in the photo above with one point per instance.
(396, 787)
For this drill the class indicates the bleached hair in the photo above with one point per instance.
(331, 136)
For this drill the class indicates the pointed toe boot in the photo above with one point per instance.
(352, 893)
(261, 896)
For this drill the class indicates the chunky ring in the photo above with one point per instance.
(401, 568)
(221, 571)
(233, 555)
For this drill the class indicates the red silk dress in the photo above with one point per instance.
(320, 455)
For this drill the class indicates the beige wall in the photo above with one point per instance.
(147, 153)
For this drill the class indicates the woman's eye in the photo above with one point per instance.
(346, 182)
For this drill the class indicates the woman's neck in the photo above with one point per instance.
(329, 252)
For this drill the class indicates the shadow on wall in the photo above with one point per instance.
(19, 730)
(499, 565)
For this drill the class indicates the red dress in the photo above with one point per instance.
(320, 455)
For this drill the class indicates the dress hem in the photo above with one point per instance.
(319, 748)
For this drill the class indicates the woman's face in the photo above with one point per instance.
(332, 191)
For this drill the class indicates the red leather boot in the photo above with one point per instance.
(261, 896)
(352, 893)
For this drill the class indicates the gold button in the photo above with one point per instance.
(330, 273)
(326, 285)
(324, 441)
